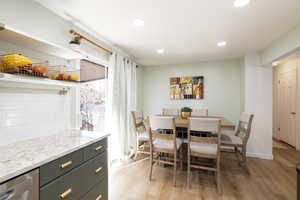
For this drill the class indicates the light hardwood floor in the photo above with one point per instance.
(264, 180)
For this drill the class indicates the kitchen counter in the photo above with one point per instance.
(23, 156)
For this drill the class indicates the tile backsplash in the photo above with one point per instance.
(27, 113)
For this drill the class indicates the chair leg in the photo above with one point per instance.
(244, 156)
(151, 166)
(136, 150)
(158, 162)
(188, 168)
(181, 157)
(135, 155)
(175, 169)
(218, 177)
(219, 190)
(237, 154)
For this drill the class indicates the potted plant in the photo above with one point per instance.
(75, 43)
(186, 112)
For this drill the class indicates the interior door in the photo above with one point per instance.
(287, 96)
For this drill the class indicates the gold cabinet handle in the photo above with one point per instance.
(98, 148)
(66, 164)
(99, 197)
(98, 170)
(65, 193)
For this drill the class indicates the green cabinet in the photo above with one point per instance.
(86, 178)
(60, 166)
(99, 192)
(65, 187)
(95, 149)
(94, 171)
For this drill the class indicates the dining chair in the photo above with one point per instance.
(170, 112)
(142, 136)
(198, 112)
(162, 144)
(205, 147)
(238, 140)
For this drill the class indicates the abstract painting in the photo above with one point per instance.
(187, 87)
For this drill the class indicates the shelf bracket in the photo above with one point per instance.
(63, 91)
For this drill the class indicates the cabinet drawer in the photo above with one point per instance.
(99, 192)
(78, 181)
(66, 187)
(95, 149)
(56, 168)
(95, 170)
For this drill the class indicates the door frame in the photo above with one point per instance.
(286, 66)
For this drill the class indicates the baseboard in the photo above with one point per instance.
(260, 155)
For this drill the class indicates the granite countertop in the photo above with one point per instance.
(23, 156)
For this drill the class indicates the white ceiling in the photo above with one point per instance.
(187, 30)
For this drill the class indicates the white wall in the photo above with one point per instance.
(29, 112)
(222, 87)
(282, 47)
(258, 101)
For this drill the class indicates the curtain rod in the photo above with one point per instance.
(90, 41)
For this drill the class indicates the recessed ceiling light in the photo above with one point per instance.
(160, 51)
(222, 44)
(138, 22)
(241, 3)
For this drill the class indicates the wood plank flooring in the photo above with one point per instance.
(263, 180)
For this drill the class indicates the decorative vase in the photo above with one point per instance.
(75, 47)
(185, 115)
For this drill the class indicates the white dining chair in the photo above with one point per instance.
(170, 112)
(198, 112)
(162, 143)
(238, 139)
(204, 147)
(142, 136)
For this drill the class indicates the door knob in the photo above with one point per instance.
(293, 113)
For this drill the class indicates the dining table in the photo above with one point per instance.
(225, 124)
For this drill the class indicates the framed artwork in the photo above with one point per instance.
(190, 87)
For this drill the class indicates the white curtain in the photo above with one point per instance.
(121, 100)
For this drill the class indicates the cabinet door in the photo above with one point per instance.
(95, 170)
(78, 181)
(60, 166)
(95, 149)
(99, 192)
(67, 187)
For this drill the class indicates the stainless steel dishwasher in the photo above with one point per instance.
(24, 187)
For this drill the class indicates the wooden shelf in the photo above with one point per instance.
(22, 39)
(36, 80)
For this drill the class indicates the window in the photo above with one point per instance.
(92, 105)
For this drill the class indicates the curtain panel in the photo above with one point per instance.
(121, 100)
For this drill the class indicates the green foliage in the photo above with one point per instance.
(186, 109)
(75, 41)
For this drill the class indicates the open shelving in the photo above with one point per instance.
(36, 80)
(19, 38)
(22, 39)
